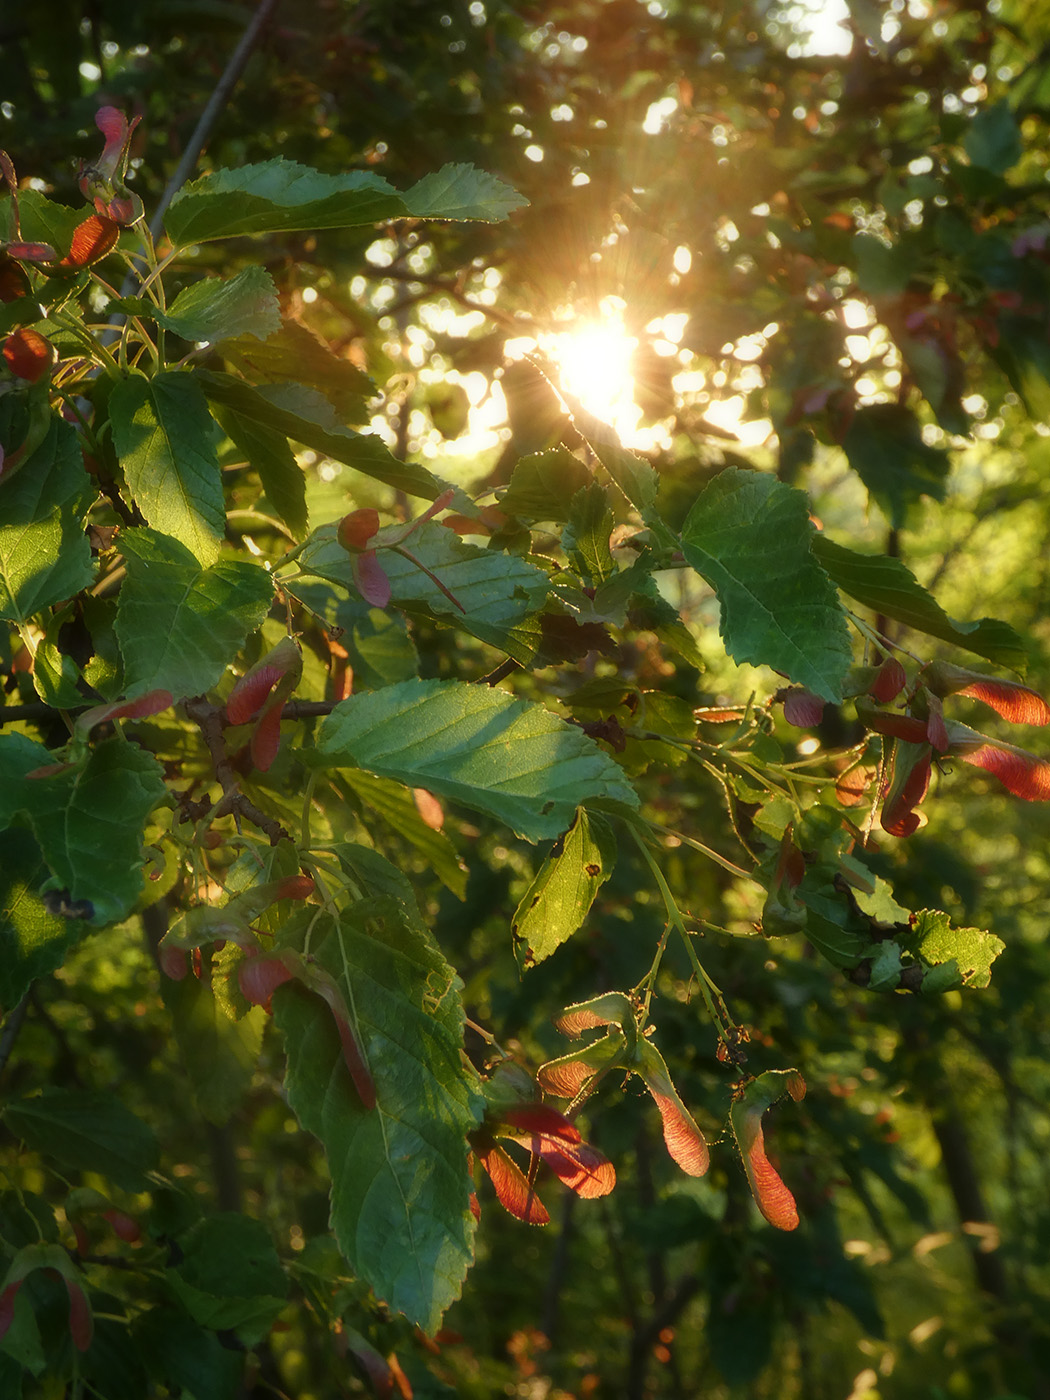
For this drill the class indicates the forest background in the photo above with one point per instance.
(804, 247)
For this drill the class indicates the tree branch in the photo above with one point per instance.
(212, 111)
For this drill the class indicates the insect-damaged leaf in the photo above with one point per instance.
(559, 898)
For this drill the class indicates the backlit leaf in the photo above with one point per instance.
(559, 898)
(478, 746)
(749, 536)
(217, 308)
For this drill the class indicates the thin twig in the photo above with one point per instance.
(209, 720)
(212, 111)
(12, 1025)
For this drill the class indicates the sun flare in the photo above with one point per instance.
(595, 367)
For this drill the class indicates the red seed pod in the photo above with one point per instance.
(357, 528)
(28, 354)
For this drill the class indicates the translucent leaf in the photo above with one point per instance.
(885, 447)
(220, 1054)
(33, 940)
(165, 436)
(268, 452)
(87, 1130)
(217, 308)
(559, 898)
(496, 591)
(396, 805)
(543, 484)
(462, 192)
(478, 746)
(281, 196)
(180, 625)
(44, 553)
(277, 196)
(886, 586)
(294, 353)
(749, 536)
(400, 1185)
(955, 957)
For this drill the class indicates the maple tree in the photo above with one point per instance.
(344, 766)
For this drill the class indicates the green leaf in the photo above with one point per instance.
(165, 437)
(888, 587)
(543, 484)
(400, 1186)
(179, 625)
(88, 820)
(496, 591)
(281, 196)
(277, 196)
(479, 746)
(559, 898)
(229, 1276)
(635, 477)
(87, 1130)
(188, 1359)
(749, 536)
(55, 673)
(585, 538)
(45, 221)
(33, 941)
(281, 475)
(44, 553)
(306, 416)
(885, 448)
(218, 308)
(394, 803)
(462, 192)
(294, 353)
(993, 141)
(954, 957)
(220, 1054)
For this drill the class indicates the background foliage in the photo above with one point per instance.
(828, 243)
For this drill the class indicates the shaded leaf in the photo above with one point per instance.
(44, 553)
(887, 586)
(87, 1130)
(543, 484)
(400, 1185)
(885, 448)
(305, 415)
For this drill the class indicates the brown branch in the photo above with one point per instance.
(209, 720)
